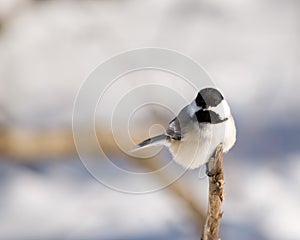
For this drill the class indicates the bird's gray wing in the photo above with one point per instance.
(174, 130)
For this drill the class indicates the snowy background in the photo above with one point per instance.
(250, 48)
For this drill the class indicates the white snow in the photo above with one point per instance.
(251, 49)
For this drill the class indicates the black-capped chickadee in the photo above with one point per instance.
(199, 128)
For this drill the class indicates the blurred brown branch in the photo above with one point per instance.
(25, 145)
(216, 194)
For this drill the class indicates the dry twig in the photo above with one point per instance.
(33, 145)
(216, 194)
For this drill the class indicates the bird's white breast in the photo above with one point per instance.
(200, 142)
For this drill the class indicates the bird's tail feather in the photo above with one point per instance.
(157, 140)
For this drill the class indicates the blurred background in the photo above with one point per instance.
(47, 50)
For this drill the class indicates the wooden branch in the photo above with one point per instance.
(216, 194)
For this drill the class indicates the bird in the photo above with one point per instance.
(194, 134)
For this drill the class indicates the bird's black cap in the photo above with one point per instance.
(208, 97)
